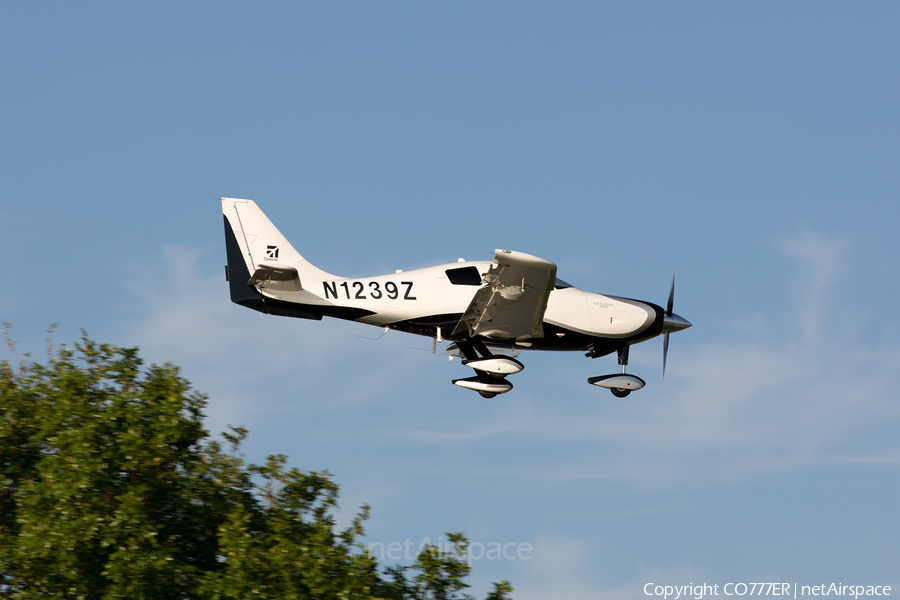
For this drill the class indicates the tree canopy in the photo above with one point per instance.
(112, 488)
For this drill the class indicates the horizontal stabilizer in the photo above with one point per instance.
(281, 278)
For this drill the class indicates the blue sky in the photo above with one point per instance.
(751, 149)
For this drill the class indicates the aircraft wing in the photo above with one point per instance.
(513, 300)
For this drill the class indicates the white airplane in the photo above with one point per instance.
(489, 310)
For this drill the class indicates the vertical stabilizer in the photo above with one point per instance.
(252, 244)
(260, 242)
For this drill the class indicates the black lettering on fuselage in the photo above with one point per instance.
(391, 290)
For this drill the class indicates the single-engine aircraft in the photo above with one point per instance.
(489, 310)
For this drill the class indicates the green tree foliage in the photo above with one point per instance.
(111, 488)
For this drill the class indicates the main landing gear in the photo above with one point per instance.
(490, 370)
(620, 384)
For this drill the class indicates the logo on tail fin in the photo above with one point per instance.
(271, 253)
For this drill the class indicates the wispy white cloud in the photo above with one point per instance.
(559, 568)
(819, 261)
(563, 567)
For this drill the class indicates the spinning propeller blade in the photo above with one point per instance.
(671, 322)
(671, 298)
(668, 314)
(665, 351)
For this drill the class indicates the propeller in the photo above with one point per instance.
(671, 322)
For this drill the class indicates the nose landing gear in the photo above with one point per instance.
(620, 384)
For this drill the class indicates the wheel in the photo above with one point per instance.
(487, 394)
(619, 392)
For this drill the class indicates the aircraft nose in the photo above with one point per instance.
(673, 322)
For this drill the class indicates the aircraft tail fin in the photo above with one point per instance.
(256, 250)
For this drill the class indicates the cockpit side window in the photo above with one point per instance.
(464, 276)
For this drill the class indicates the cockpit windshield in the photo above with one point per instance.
(561, 285)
